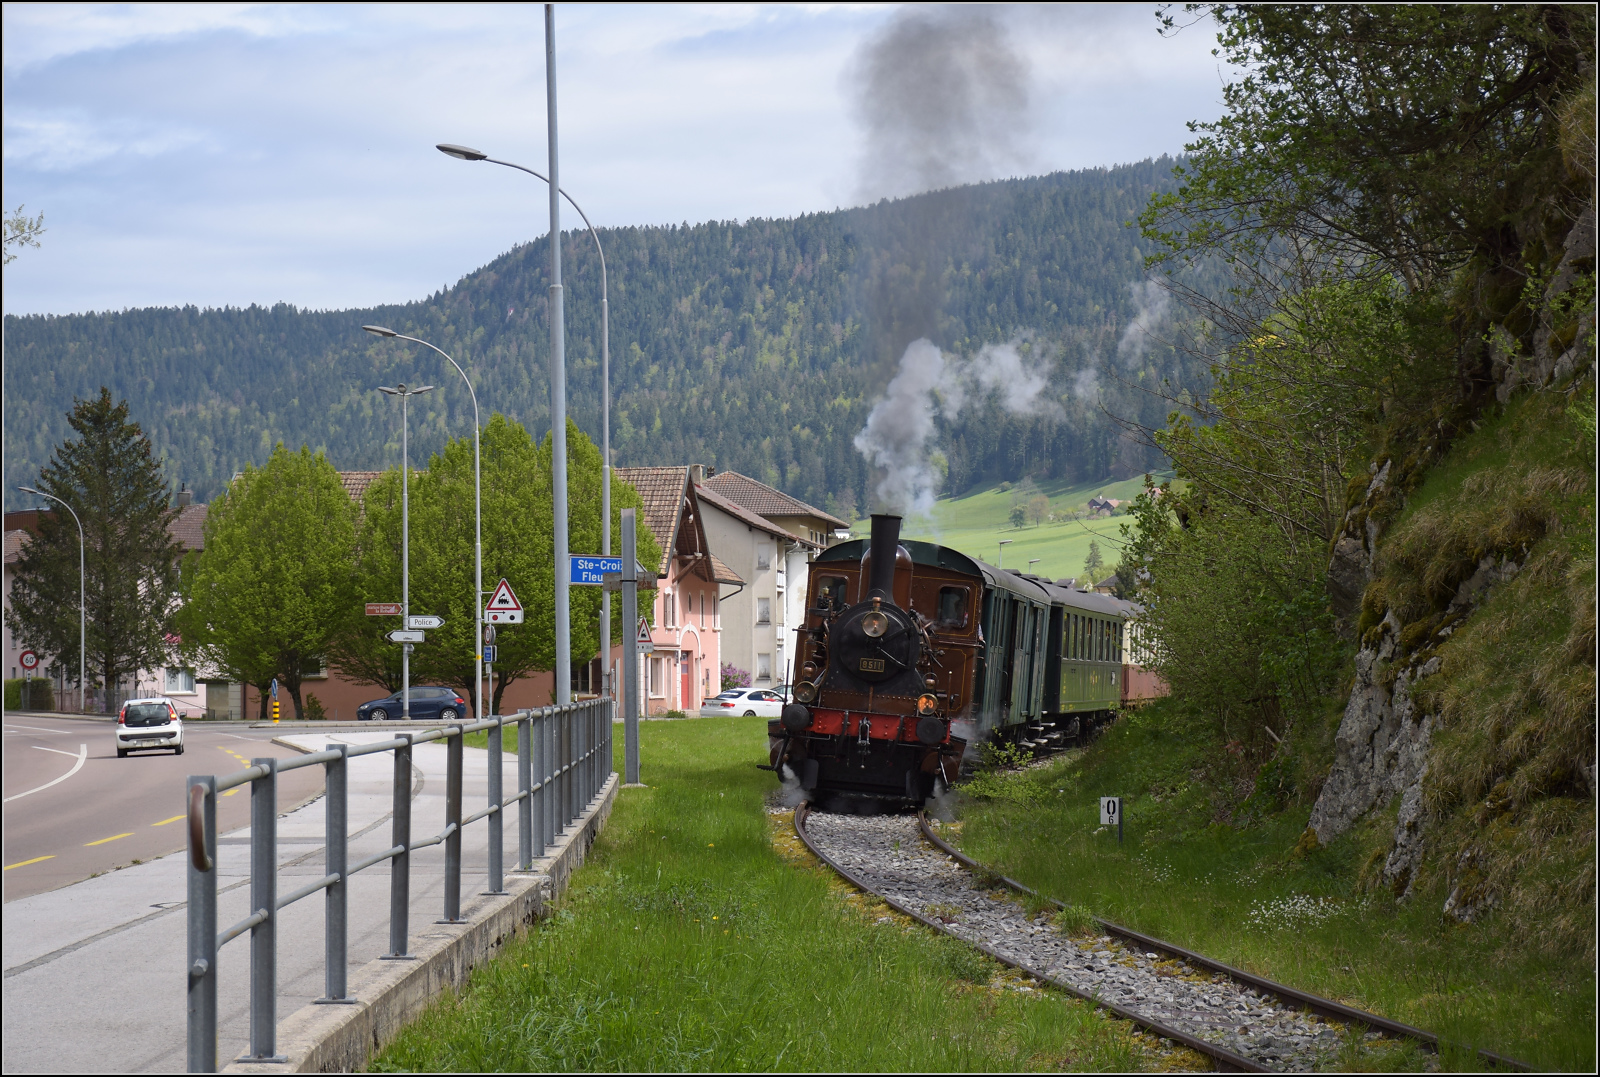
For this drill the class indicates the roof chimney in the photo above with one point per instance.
(185, 495)
(697, 473)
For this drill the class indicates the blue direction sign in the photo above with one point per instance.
(592, 569)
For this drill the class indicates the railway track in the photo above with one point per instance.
(1242, 1022)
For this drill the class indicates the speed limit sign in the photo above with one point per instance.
(29, 660)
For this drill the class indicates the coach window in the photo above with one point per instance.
(1077, 641)
(953, 607)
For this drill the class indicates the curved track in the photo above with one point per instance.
(1244, 1023)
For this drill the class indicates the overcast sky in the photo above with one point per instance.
(239, 153)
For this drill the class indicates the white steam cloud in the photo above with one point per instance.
(1151, 305)
(898, 437)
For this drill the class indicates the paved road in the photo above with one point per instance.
(102, 812)
(94, 971)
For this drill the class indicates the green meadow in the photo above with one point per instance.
(701, 935)
(975, 523)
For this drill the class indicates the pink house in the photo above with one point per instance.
(687, 624)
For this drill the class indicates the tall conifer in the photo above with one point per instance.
(113, 482)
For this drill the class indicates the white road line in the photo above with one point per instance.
(58, 751)
(83, 754)
(39, 729)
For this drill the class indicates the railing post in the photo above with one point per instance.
(552, 805)
(525, 787)
(496, 824)
(400, 866)
(336, 818)
(452, 822)
(264, 898)
(569, 725)
(202, 913)
(541, 796)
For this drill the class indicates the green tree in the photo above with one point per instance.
(275, 581)
(1038, 508)
(1093, 564)
(1018, 516)
(21, 231)
(518, 545)
(114, 484)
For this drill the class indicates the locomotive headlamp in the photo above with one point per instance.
(927, 703)
(930, 681)
(805, 692)
(808, 670)
(875, 624)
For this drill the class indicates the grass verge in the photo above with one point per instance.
(701, 936)
(1243, 896)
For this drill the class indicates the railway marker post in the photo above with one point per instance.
(1111, 812)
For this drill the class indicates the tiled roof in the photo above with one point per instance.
(661, 489)
(722, 573)
(14, 541)
(762, 499)
(739, 512)
(189, 527)
(356, 482)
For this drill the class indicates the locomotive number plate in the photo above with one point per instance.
(870, 665)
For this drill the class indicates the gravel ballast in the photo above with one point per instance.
(889, 854)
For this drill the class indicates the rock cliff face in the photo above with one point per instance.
(1381, 749)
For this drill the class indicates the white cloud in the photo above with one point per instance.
(303, 134)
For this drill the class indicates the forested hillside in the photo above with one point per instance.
(758, 346)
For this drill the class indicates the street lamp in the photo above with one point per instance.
(467, 153)
(1003, 544)
(1033, 562)
(477, 513)
(405, 396)
(83, 601)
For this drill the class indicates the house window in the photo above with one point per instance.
(763, 611)
(180, 680)
(763, 557)
(715, 611)
(764, 667)
(669, 604)
(658, 677)
(688, 605)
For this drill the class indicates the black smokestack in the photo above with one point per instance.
(885, 548)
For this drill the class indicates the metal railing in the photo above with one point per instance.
(568, 748)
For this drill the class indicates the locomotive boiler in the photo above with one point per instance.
(912, 651)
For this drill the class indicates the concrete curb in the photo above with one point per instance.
(390, 994)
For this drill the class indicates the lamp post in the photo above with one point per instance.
(477, 515)
(83, 593)
(1003, 544)
(1033, 562)
(405, 396)
(467, 153)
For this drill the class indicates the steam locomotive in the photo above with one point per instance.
(911, 652)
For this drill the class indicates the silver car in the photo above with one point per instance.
(144, 724)
(749, 702)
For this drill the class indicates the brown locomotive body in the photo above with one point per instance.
(887, 661)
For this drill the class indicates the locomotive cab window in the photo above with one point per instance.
(831, 589)
(952, 607)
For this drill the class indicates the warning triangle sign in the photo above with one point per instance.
(503, 607)
(644, 631)
(503, 599)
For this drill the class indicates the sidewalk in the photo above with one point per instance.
(94, 972)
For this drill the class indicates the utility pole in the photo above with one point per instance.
(405, 394)
(630, 647)
(558, 379)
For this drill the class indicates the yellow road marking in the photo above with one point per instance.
(232, 791)
(25, 863)
(113, 837)
(174, 819)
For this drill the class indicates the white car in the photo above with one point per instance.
(143, 724)
(748, 702)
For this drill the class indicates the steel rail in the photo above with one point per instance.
(1314, 1003)
(1226, 1060)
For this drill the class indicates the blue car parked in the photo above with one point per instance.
(429, 703)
